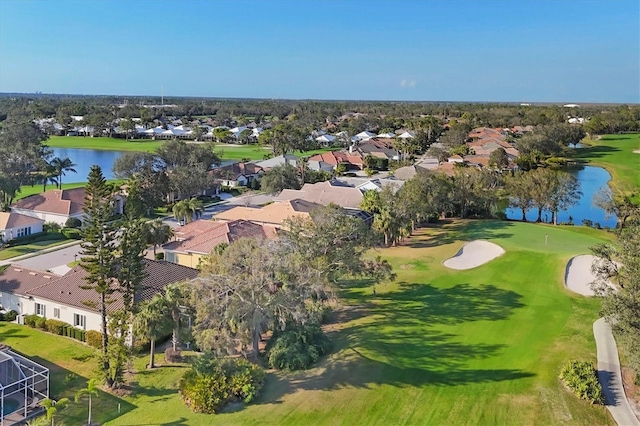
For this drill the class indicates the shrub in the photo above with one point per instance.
(51, 227)
(30, 320)
(93, 338)
(297, 347)
(211, 383)
(11, 316)
(71, 233)
(2, 316)
(159, 256)
(54, 326)
(582, 378)
(73, 222)
(40, 322)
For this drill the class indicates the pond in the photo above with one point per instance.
(84, 159)
(591, 179)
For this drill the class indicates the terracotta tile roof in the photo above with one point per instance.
(18, 280)
(65, 201)
(336, 157)
(67, 289)
(202, 236)
(273, 214)
(16, 220)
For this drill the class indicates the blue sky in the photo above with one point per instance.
(482, 50)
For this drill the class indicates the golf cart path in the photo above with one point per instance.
(578, 277)
(610, 376)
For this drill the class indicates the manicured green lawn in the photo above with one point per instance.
(229, 152)
(436, 346)
(26, 191)
(103, 143)
(8, 253)
(615, 153)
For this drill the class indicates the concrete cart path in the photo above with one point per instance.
(610, 376)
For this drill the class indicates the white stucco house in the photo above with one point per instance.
(48, 295)
(58, 205)
(15, 225)
(238, 174)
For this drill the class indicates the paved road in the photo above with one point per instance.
(610, 376)
(52, 259)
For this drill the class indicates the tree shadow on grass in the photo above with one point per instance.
(395, 343)
(447, 232)
(594, 152)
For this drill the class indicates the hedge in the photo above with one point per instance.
(93, 338)
(8, 316)
(54, 326)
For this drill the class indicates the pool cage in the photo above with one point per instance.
(23, 385)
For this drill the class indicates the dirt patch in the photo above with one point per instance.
(632, 390)
(407, 266)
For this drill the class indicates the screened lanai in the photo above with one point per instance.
(23, 384)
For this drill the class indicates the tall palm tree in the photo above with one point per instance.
(151, 322)
(61, 166)
(180, 211)
(90, 391)
(174, 298)
(49, 175)
(158, 233)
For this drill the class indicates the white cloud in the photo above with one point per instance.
(407, 83)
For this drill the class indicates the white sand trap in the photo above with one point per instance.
(636, 151)
(578, 275)
(473, 254)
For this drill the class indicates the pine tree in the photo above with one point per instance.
(98, 249)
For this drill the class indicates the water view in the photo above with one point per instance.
(84, 159)
(591, 179)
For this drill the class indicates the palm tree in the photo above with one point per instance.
(49, 175)
(195, 207)
(53, 407)
(90, 391)
(180, 210)
(61, 166)
(158, 233)
(151, 322)
(174, 298)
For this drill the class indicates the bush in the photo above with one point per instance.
(54, 326)
(297, 347)
(2, 316)
(159, 256)
(40, 322)
(582, 378)
(73, 222)
(11, 316)
(71, 233)
(30, 320)
(93, 338)
(211, 383)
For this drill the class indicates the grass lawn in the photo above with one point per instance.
(229, 152)
(436, 346)
(615, 153)
(8, 253)
(26, 191)
(103, 143)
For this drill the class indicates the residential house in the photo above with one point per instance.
(198, 238)
(58, 205)
(353, 160)
(325, 193)
(15, 225)
(280, 160)
(238, 174)
(272, 216)
(41, 293)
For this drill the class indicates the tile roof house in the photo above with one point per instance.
(271, 216)
(198, 238)
(238, 174)
(324, 193)
(280, 160)
(352, 159)
(14, 225)
(51, 296)
(58, 205)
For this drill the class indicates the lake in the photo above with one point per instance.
(84, 159)
(591, 179)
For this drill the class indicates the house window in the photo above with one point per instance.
(79, 320)
(40, 309)
(23, 232)
(56, 312)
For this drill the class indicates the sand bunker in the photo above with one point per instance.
(473, 254)
(578, 275)
(636, 151)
